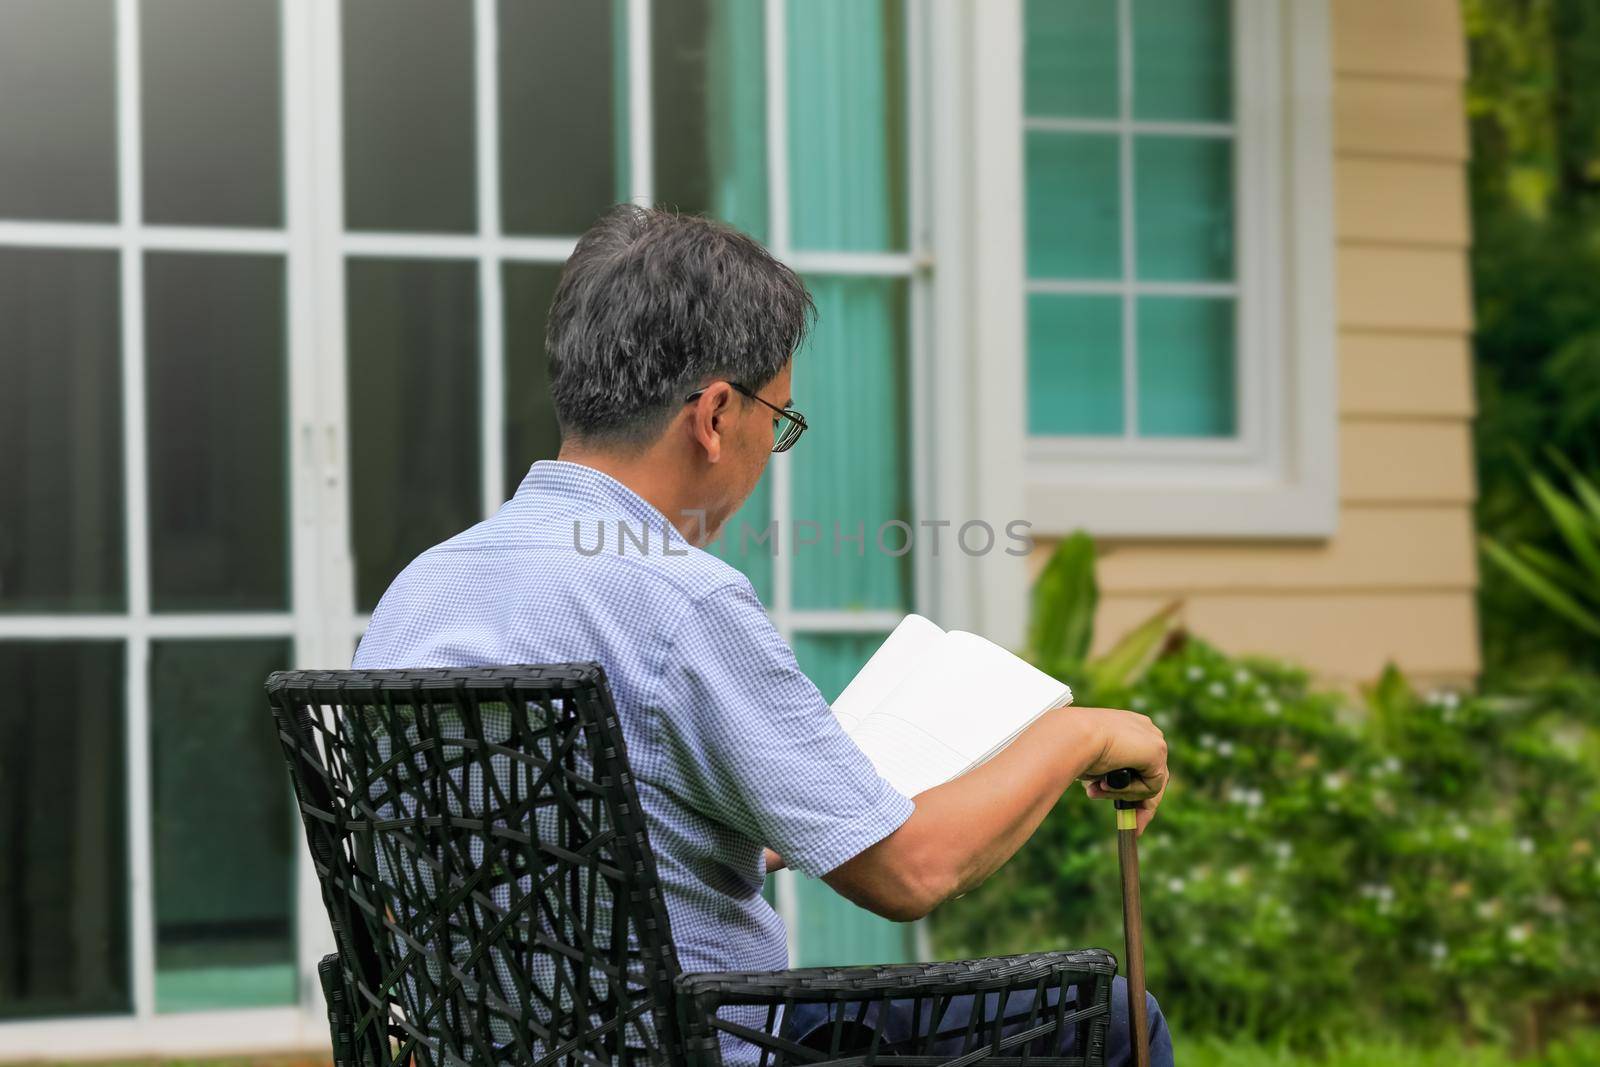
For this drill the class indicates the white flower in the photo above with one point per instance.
(1225, 748)
(1393, 765)
(1176, 885)
(1195, 672)
(1283, 850)
(1217, 689)
(1139, 703)
(1460, 831)
(1333, 782)
(1439, 951)
(1525, 845)
(1271, 707)
(1517, 934)
(1208, 741)
(1241, 676)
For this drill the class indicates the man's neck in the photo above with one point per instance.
(654, 477)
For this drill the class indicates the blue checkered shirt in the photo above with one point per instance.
(732, 746)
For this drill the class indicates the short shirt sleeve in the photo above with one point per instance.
(753, 745)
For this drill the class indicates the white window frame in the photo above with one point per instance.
(1279, 476)
(324, 622)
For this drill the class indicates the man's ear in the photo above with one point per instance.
(708, 419)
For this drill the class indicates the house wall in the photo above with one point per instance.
(1397, 580)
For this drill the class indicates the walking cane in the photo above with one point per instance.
(1132, 916)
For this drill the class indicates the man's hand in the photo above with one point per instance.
(1131, 740)
(774, 861)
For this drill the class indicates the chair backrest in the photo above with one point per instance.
(483, 858)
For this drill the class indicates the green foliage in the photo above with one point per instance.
(1568, 586)
(1533, 98)
(1426, 864)
(1362, 1051)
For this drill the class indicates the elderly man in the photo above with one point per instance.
(670, 341)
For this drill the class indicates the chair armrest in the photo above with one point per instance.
(858, 994)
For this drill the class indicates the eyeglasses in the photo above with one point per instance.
(786, 427)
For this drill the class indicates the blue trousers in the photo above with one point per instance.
(901, 1023)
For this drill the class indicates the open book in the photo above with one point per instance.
(931, 705)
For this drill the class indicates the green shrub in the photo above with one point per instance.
(1420, 865)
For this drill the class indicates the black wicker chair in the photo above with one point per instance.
(484, 861)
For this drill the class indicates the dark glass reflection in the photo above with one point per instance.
(408, 116)
(58, 110)
(222, 828)
(63, 821)
(563, 127)
(531, 431)
(61, 544)
(708, 80)
(414, 436)
(211, 94)
(217, 397)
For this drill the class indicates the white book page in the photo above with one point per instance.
(910, 641)
(959, 703)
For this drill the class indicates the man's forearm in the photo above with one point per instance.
(962, 831)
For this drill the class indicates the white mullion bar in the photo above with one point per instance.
(450, 246)
(855, 622)
(157, 238)
(873, 264)
(641, 146)
(1127, 124)
(918, 366)
(141, 902)
(785, 885)
(491, 297)
(162, 626)
(1115, 287)
(1130, 271)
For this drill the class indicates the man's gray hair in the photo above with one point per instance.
(651, 306)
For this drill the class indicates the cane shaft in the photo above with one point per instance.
(1133, 933)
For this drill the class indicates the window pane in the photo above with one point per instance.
(61, 546)
(63, 818)
(211, 93)
(833, 931)
(1074, 364)
(1071, 66)
(847, 134)
(1183, 60)
(1186, 367)
(218, 415)
(1073, 192)
(851, 469)
(413, 411)
(563, 113)
(222, 828)
(531, 431)
(1185, 208)
(58, 110)
(709, 78)
(408, 116)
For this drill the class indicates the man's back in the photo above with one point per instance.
(732, 747)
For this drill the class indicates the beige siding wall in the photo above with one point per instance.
(1397, 580)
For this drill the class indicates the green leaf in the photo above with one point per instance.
(1127, 660)
(1573, 523)
(1586, 492)
(1065, 597)
(1391, 694)
(1541, 587)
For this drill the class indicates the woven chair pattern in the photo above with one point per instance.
(488, 876)
(482, 856)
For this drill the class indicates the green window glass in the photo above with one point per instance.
(1130, 183)
(851, 471)
(847, 145)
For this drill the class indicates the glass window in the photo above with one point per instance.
(61, 544)
(531, 430)
(211, 92)
(1131, 257)
(847, 142)
(217, 398)
(708, 74)
(852, 470)
(58, 110)
(63, 839)
(413, 394)
(223, 828)
(409, 135)
(563, 113)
